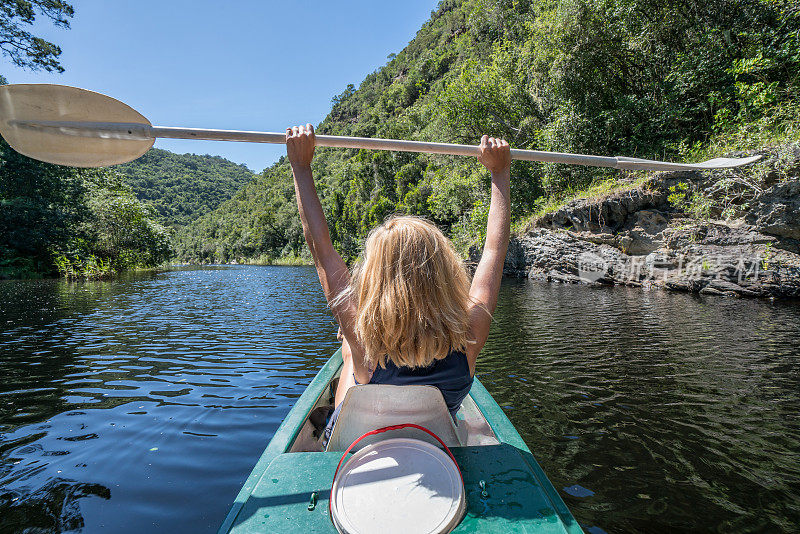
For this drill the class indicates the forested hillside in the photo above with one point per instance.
(632, 77)
(90, 223)
(83, 223)
(183, 187)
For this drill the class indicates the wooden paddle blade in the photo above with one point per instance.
(22, 105)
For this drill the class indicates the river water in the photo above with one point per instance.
(141, 404)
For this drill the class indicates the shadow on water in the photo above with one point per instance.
(36, 360)
(161, 387)
(32, 362)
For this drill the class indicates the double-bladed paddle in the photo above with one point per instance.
(80, 128)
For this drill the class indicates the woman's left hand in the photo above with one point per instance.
(300, 143)
(495, 154)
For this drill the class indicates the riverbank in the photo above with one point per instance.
(290, 260)
(728, 233)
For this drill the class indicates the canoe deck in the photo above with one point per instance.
(519, 497)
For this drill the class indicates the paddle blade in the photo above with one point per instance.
(23, 105)
(727, 163)
(650, 165)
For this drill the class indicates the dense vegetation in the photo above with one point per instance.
(665, 79)
(82, 223)
(59, 220)
(72, 222)
(628, 77)
(92, 223)
(183, 187)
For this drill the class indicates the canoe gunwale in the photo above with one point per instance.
(507, 433)
(284, 436)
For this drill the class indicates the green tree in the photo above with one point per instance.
(20, 45)
(183, 187)
(55, 218)
(40, 204)
(630, 77)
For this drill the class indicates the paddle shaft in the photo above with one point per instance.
(116, 130)
(144, 131)
(337, 141)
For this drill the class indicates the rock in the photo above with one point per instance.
(564, 277)
(515, 264)
(650, 221)
(734, 234)
(602, 238)
(636, 238)
(716, 292)
(638, 242)
(777, 211)
(723, 285)
(678, 285)
(750, 293)
(604, 215)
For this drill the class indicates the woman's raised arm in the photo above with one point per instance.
(331, 268)
(495, 156)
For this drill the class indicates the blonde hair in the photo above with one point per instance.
(411, 292)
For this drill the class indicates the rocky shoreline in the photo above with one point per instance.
(746, 245)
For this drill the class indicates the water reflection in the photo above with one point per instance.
(163, 388)
(677, 412)
(52, 508)
(140, 405)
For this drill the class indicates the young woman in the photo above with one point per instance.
(408, 312)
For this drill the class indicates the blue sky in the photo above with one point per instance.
(242, 65)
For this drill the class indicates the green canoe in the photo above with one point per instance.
(516, 494)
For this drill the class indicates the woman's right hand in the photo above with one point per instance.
(495, 154)
(300, 143)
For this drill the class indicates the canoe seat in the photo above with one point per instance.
(373, 406)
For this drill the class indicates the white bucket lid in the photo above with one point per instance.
(398, 485)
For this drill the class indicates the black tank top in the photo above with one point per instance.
(450, 374)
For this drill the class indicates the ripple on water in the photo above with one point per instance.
(177, 391)
(145, 402)
(685, 408)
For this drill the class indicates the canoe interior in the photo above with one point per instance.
(309, 438)
(518, 498)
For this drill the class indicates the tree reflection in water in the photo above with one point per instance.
(53, 507)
